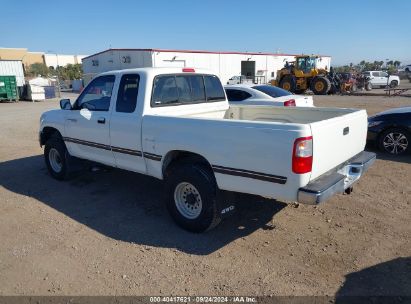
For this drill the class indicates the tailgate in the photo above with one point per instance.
(337, 139)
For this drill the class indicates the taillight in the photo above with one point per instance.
(289, 103)
(303, 155)
(189, 70)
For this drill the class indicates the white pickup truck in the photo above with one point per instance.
(176, 125)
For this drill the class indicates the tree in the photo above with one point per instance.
(69, 72)
(37, 69)
(397, 63)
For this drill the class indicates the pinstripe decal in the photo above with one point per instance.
(250, 174)
(152, 156)
(218, 169)
(104, 147)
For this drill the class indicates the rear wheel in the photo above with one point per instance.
(395, 141)
(394, 84)
(288, 83)
(191, 197)
(320, 85)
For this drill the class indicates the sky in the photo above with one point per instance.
(348, 31)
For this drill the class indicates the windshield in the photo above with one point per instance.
(272, 90)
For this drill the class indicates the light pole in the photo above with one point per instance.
(58, 73)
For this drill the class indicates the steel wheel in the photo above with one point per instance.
(55, 160)
(319, 86)
(395, 143)
(188, 200)
(286, 86)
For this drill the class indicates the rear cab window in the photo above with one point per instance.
(181, 89)
(127, 93)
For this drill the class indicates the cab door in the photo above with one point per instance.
(87, 125)
(125, 127)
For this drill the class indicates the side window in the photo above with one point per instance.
(214, 89)
(383, 74)
(237, 95)
(127, 93)
(164, 90)
(376, 74)
(97, 96)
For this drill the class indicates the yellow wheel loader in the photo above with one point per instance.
(303, 74)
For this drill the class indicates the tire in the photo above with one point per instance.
(197, 210)
(387, 139)
(320, 85)
(368, 87)
(393, 84)
(57, 158)
(288, 83)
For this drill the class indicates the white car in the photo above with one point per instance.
(176, 125)
(239, 79)
(265, 95)
(382, 79)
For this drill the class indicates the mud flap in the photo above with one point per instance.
(226, 203)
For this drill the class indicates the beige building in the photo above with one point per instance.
(22, 54)
(28, 58)
(55, 60)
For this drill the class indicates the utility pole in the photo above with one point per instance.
(58, 73)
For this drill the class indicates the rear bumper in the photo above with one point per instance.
(336, 181)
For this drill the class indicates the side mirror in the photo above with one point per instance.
(65, 104)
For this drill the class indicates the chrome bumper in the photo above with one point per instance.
(335, 182)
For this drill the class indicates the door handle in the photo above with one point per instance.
(72, 119)
(101, 120)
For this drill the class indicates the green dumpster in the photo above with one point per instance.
(8, 88)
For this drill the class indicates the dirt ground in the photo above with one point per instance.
(108, 233)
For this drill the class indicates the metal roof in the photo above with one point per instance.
(198, 51)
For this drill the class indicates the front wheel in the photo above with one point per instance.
(395, 141)
(56, 157)
(320, 85)
(191, 197)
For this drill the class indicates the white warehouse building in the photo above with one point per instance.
(261, 67)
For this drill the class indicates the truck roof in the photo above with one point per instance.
(163, 70)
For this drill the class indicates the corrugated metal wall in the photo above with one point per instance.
(13, 68)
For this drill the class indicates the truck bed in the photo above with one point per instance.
(265, 135)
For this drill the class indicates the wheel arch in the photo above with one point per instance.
(181, 156)
(46, 133)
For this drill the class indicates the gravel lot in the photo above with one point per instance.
(108, 233)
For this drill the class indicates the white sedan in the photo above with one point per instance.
(265, 95)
